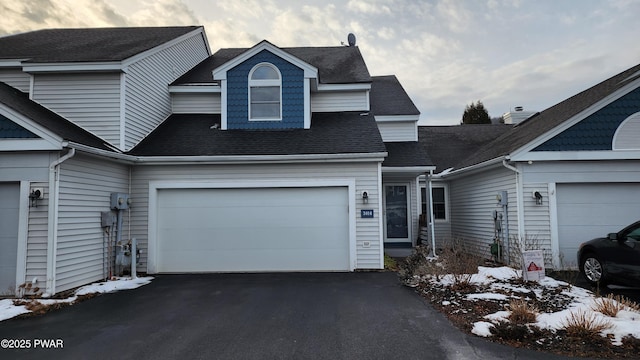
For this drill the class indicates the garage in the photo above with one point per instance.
(587, 211)
(252, 229)
(9, 205)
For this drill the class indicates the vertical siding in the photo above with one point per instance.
(340, 101)
(365, 175)
(16, 78)
(398, 130)
(195, 103)
(90, 100)
(473, 199)
(86, 185)
(148, 101)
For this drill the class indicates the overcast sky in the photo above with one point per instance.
(446, 53)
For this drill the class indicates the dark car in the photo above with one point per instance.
(614, 259)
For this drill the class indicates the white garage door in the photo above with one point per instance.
(587, 211)
(9, 204)
(257, 229)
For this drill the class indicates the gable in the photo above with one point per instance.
(597, 131)
(292, 94)
(11, 130)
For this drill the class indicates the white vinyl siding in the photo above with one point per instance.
(472, 202)
(339, 101)
(364, 174)
(90, 100)
(537, 228)
(16, 78)
(37, 238)
(195, 103)
(86, 185)
(398, 130)
(442, 227)
(147, 86)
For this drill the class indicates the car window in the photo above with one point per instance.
(634, 234)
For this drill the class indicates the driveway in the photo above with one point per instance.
(362, 315)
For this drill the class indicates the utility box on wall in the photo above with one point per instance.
(120, 201)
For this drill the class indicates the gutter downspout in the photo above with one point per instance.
(52, 230)
(431, 219)
(519, 200)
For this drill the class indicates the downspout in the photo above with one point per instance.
(519, 200)
(52, 231)
(431, 219)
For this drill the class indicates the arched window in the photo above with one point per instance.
(265, 93)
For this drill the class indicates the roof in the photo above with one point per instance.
(537, 125)
(388, 97)
(20, 102)
(335, 64)
(406, 154)
(331, 133)
(87, 45)
(447, 146)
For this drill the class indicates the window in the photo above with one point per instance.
(439, 203)
(265, 86)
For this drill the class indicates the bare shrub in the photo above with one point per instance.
(418, 264)
(460, 263)
(613, 304)
(522, 312)
(581, 324)
(517, 332)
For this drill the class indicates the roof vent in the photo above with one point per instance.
(519, 108)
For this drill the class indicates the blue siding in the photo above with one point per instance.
(292, 95)
(11, 130)
(596, 131)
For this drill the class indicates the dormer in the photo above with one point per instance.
(266, 88)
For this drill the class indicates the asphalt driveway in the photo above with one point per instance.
(363, 315)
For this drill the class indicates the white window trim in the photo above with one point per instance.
(263, 83)
(446, 201)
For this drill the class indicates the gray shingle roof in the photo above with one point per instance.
(550, 118)
(406, 153)
(335, 64)
(388, 97)
(331, 133)
(21, 103)
(447, 146)
(86, 45)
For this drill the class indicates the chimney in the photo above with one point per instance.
(517, 116)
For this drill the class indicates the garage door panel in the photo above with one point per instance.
(587, 211)
(270, 229)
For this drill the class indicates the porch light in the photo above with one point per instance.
(365, 197)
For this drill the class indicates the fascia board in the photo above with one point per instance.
(28, 145)
(54, 139)
(113, 66)
(11, 63)
(250, 159)
(396, 118)
(577, 155)
(344, 87)
(518, 153)
(407, 169)
(473, 168)
(195, 88)
(220, 73)
(200, 30)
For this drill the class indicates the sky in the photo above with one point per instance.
(446, 53)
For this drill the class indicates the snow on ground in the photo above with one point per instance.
(627, 322)
(9, 310)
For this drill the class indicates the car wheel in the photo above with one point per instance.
(592, 269)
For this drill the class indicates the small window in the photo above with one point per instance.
(439, 203)
(265, 93)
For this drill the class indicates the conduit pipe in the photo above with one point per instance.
(52, 230)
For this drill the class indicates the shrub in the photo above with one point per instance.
(584, 325)
(522, 312)
(613, 304)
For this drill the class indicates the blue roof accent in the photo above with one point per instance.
(596, 131)
(11, 130)
(292, 95)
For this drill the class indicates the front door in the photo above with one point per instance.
(397, 229)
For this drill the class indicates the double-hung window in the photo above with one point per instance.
(265, 93)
